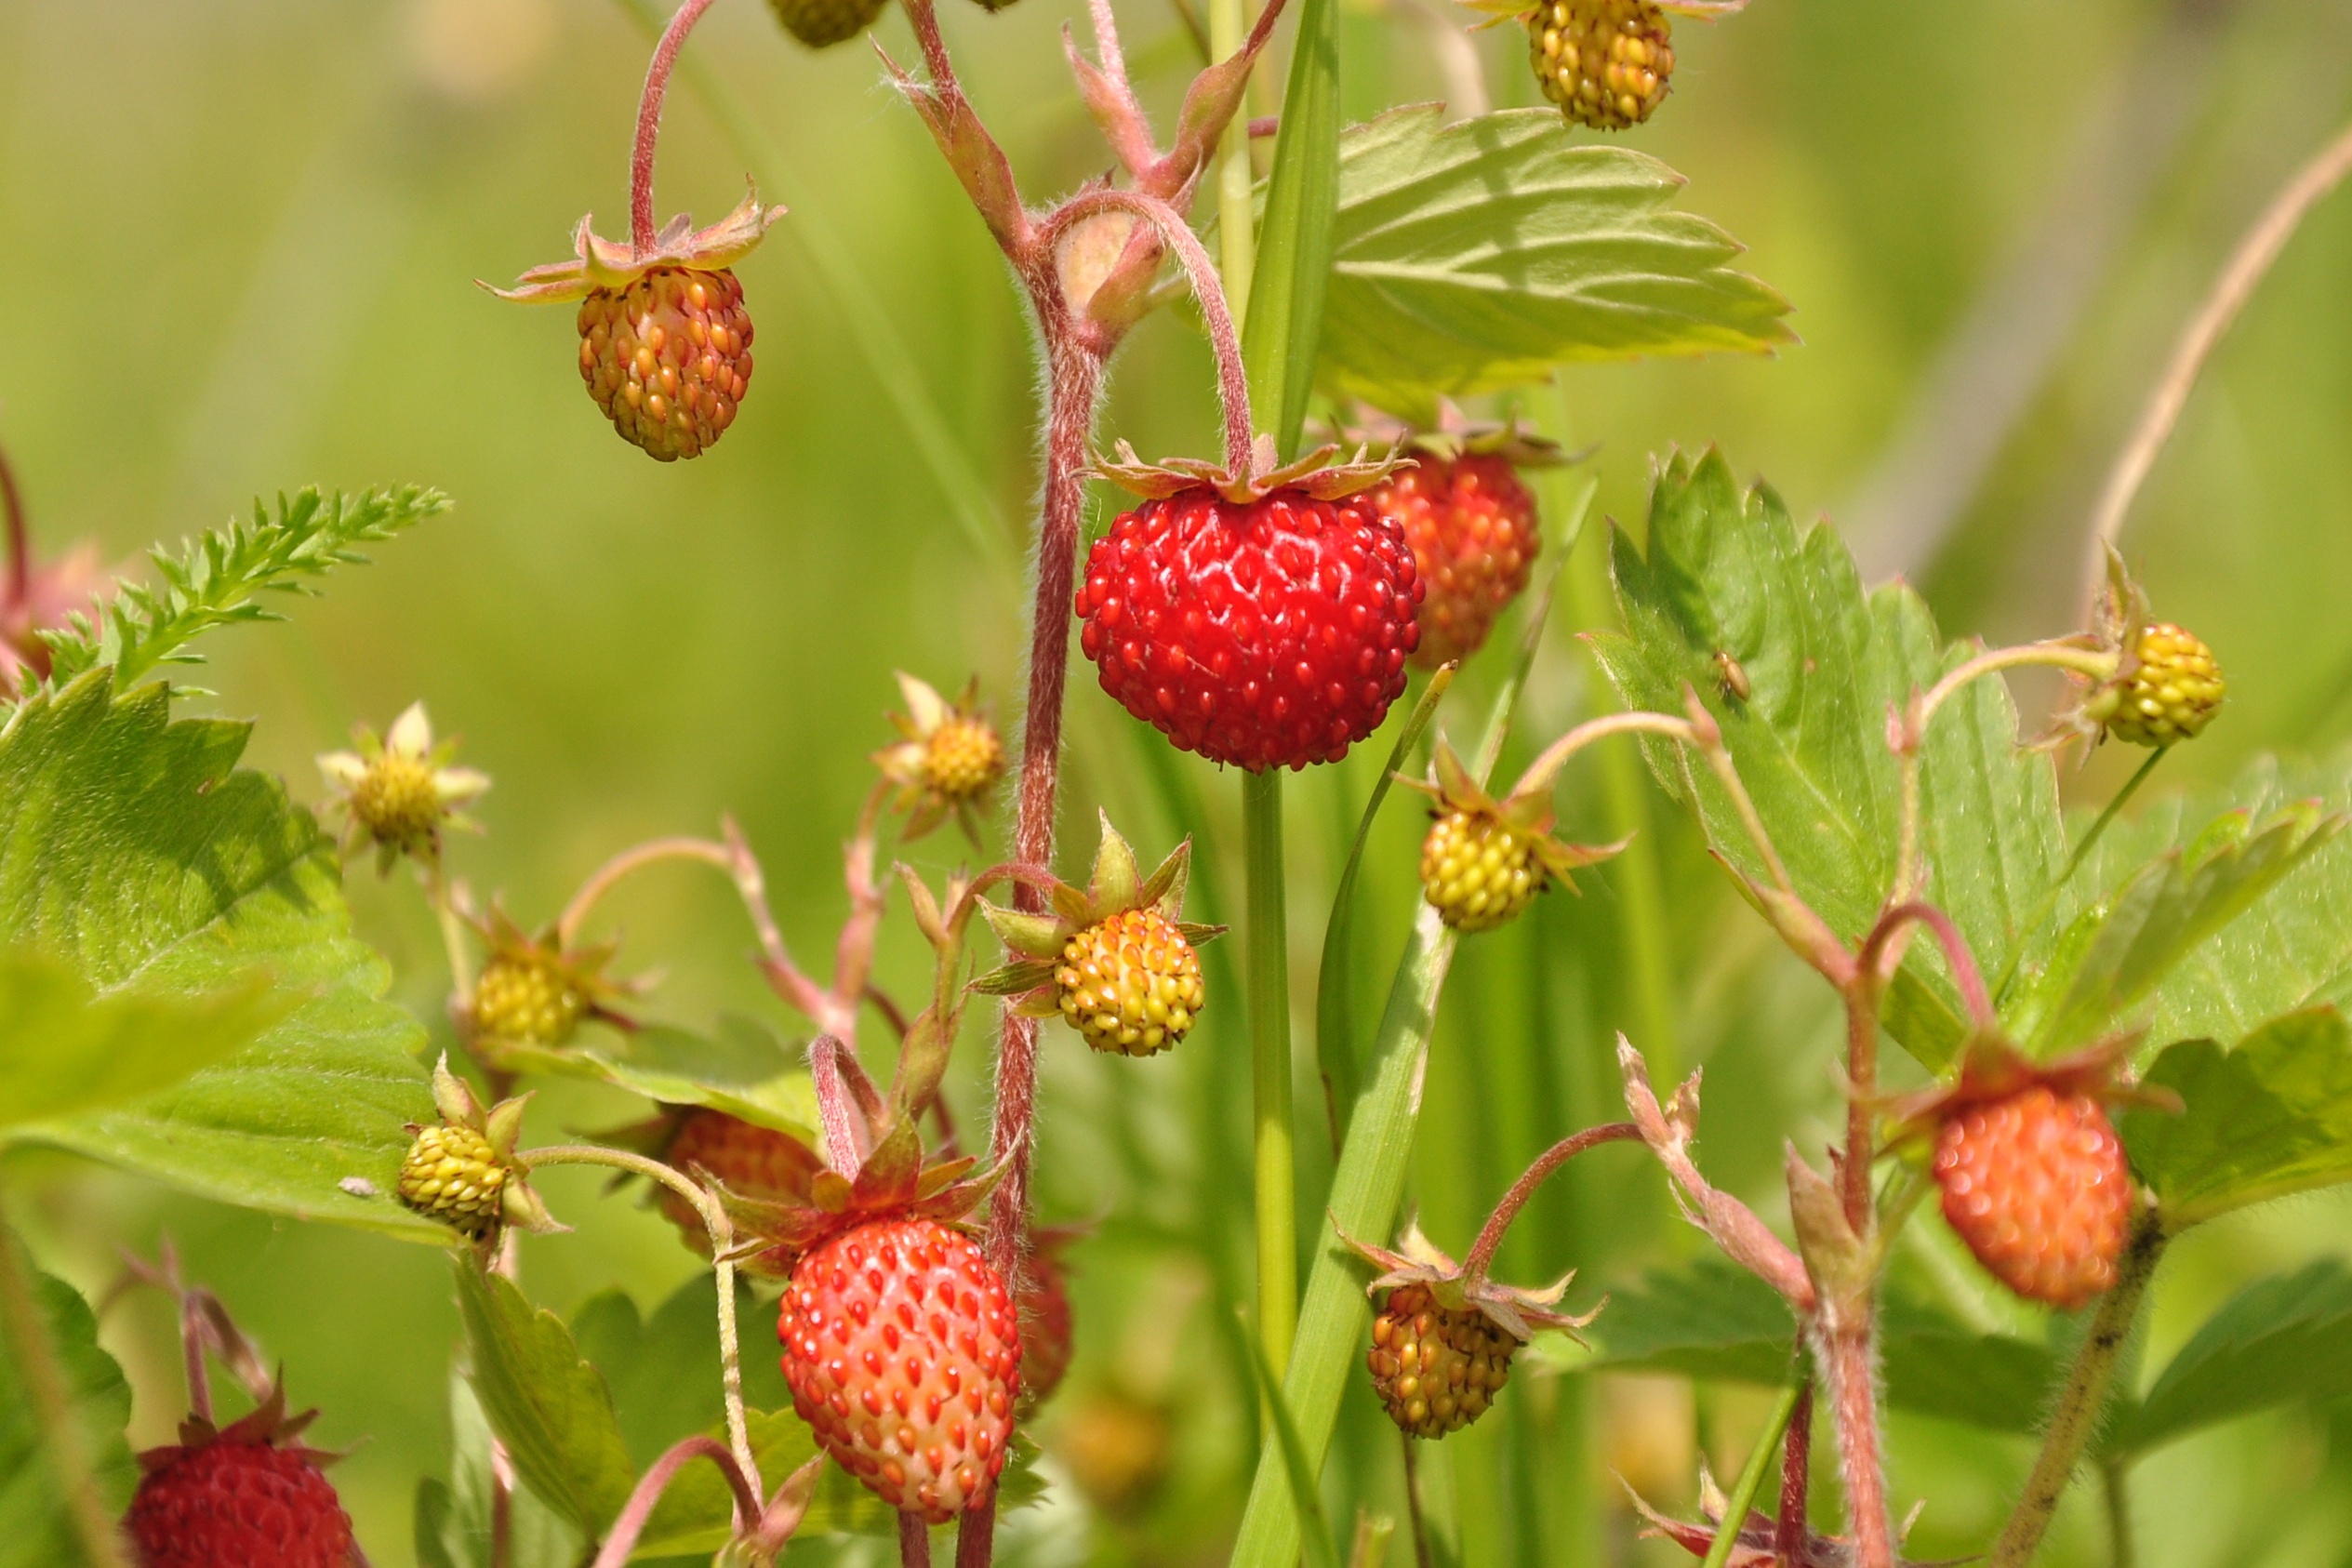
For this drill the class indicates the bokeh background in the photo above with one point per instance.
(238, 240)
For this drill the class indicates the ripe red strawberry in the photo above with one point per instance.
(2036, 1184)
(1270, 632)
(901, 1350)
(752, 1161)
(248, 1496)
(1046, 1328)
(1474, 533)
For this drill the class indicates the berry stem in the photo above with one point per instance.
(1862, 991)
(1236, 180)
(1849, 1352)
(25, 1336)
(1881, 951)
(1267, 977)
(1491, 1238)
(2326, 169)
(20, 536)
(784, 976)
(722, 1234)
(2115, 1486)
(1217, 305)
(914, 1541)
(2107, 814)
(621, 1540)
(2084, 1398)
(1796, 1477)
(1546, 769)
(641, 160)
(1751, 1475)
(601, 881)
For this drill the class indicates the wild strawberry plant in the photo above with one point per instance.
(2117, 1030)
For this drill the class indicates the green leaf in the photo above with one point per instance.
(219, 578)
(453, 1519)
(2291, 949)
(1715, 1321)
(1290, 283)
(2132, 940)
(1368, 1182)
(140, 856)
(549, 1406)
(2270, 1118)
(64, 1049)
(1477, 256)
(36, 1530)
(2280, 1342)
(1730, 572)
(742, 1068)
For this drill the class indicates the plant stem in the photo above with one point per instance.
(914, 1540)
(1490, 1237)
(1237, 244)
(722, 1234)
(26, 1336)
(1849, 1354)
(2247, 265)
(2084, 1398)
(640, 158)
(1422, 1556)
(621, 1540)
(1751, 1475)
(2131, 788)
(1791, 1528)
(20, 536)
(601, 880)
(1267, 976)
(453, 932)
(2115, 1475)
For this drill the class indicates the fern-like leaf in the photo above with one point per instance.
(219, 578)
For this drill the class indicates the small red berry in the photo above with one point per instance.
(1266, 633)
(1474, 533)
(668, 357)
(745, 1158)
(1045, 1330)
(902, 1353)
(2037, 1186)
(247, 1496)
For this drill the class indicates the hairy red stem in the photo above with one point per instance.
(1850, 1356)
(1879, 955)
(19, 535)
(914, 1541)
(1490, 1236)
(641, 159)
(622, 1538)
(1796, 1468)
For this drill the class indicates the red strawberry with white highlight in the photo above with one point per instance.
(247, 1495)
(1263, 620)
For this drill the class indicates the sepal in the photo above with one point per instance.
(599, 263)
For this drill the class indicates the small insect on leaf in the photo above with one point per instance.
(1732, 679)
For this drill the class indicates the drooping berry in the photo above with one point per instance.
(1047, 1343)
(2172, 694)
(1474, 533)
(248, 1496)
(668, 357)
(1605, 62)
(453, 1174)
(1436, 1368)
(819, 23)
(747, 1159)
(2036, 1184)
(525, 995)
(1265, 633)
(903, 1356)
(1131, 984)
(1478, 872)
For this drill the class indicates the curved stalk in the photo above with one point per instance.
(722, 1234)
(1882, 952)
(621, 1540)
(1547, 764)
(1490, 1236)
(640, 158)
(601, 880)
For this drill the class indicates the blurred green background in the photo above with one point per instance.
(240, 241)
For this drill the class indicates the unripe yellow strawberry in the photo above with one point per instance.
(525, 995)
(1478, 872)
(668, 357)
(1130, 983)
(453, 1174)
(1436, 1368)
(2169, 697)
(1605, 62)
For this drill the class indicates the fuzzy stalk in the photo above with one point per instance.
(1751, 1474)
(621, 1540)
(914, 1541)
(2084, 1398)
(1490, 1236)
(26, 1337)
(640, 156)
(1267, 976)
(20, 536)
(1796, 1477)
(1847, 1352)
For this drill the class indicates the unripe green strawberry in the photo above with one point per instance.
(1131, 984)
(453, 1174)
(1478, 872)
(903, 1357)
(525, 995)
(668, 357)
(1605, 62)
(2036, 1184)
(2172, 693)
(1436, 1368)
(821, 22)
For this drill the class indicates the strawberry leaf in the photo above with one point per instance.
(37, 1531)
(170, 884)
(2270, 1117)
(2282, 1341)
(454, 1518)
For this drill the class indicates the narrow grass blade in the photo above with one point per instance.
(1284, 327)
(1305, 1499)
